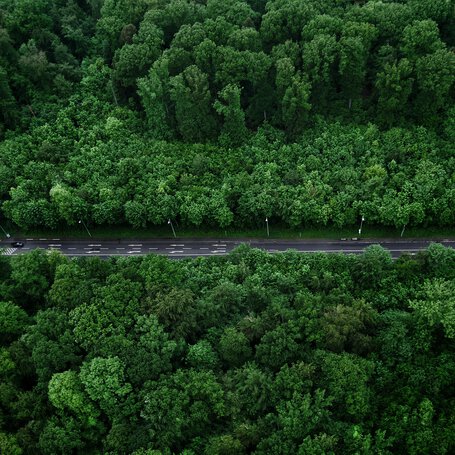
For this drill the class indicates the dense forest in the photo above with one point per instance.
(221, 112)
(248, 353)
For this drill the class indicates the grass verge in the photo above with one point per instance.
(276, 232)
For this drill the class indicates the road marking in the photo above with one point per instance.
(204, 248)
(134, 251)
(169, 248)
(72, 248)
(104, 248)
(55, 239)
(93, 251)
(26, 248)
(350, 250)
(153, 248)
(179, 251)
(28, 239)
(87, 248)
(177, 244)
(8, 251)
(180, 254)
(94, 244)
(120, 248)
(43, 239)
(219, 244)
(55, 244)
(187, 248)
(135, 244)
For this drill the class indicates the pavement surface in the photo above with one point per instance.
(185, 247)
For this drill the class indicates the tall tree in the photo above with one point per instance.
(234, 131)
(191, 95)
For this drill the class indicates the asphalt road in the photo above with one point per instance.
(180, 248)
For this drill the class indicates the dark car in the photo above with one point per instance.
(17, 244)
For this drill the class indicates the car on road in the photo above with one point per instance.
(17, 244)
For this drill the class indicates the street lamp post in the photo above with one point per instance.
(267, 222)
(361, 224)
(86, 228)
(6, 233)
(172, 226)
(402, 231)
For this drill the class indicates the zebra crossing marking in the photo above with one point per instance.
(8, 251)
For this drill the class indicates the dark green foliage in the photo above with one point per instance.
(309, 113)
(335, 174)
(221, 113)
(249, 353)
(234, 348)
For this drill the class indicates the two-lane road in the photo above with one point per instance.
(180, 248)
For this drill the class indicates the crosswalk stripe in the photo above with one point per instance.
(8, 251)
